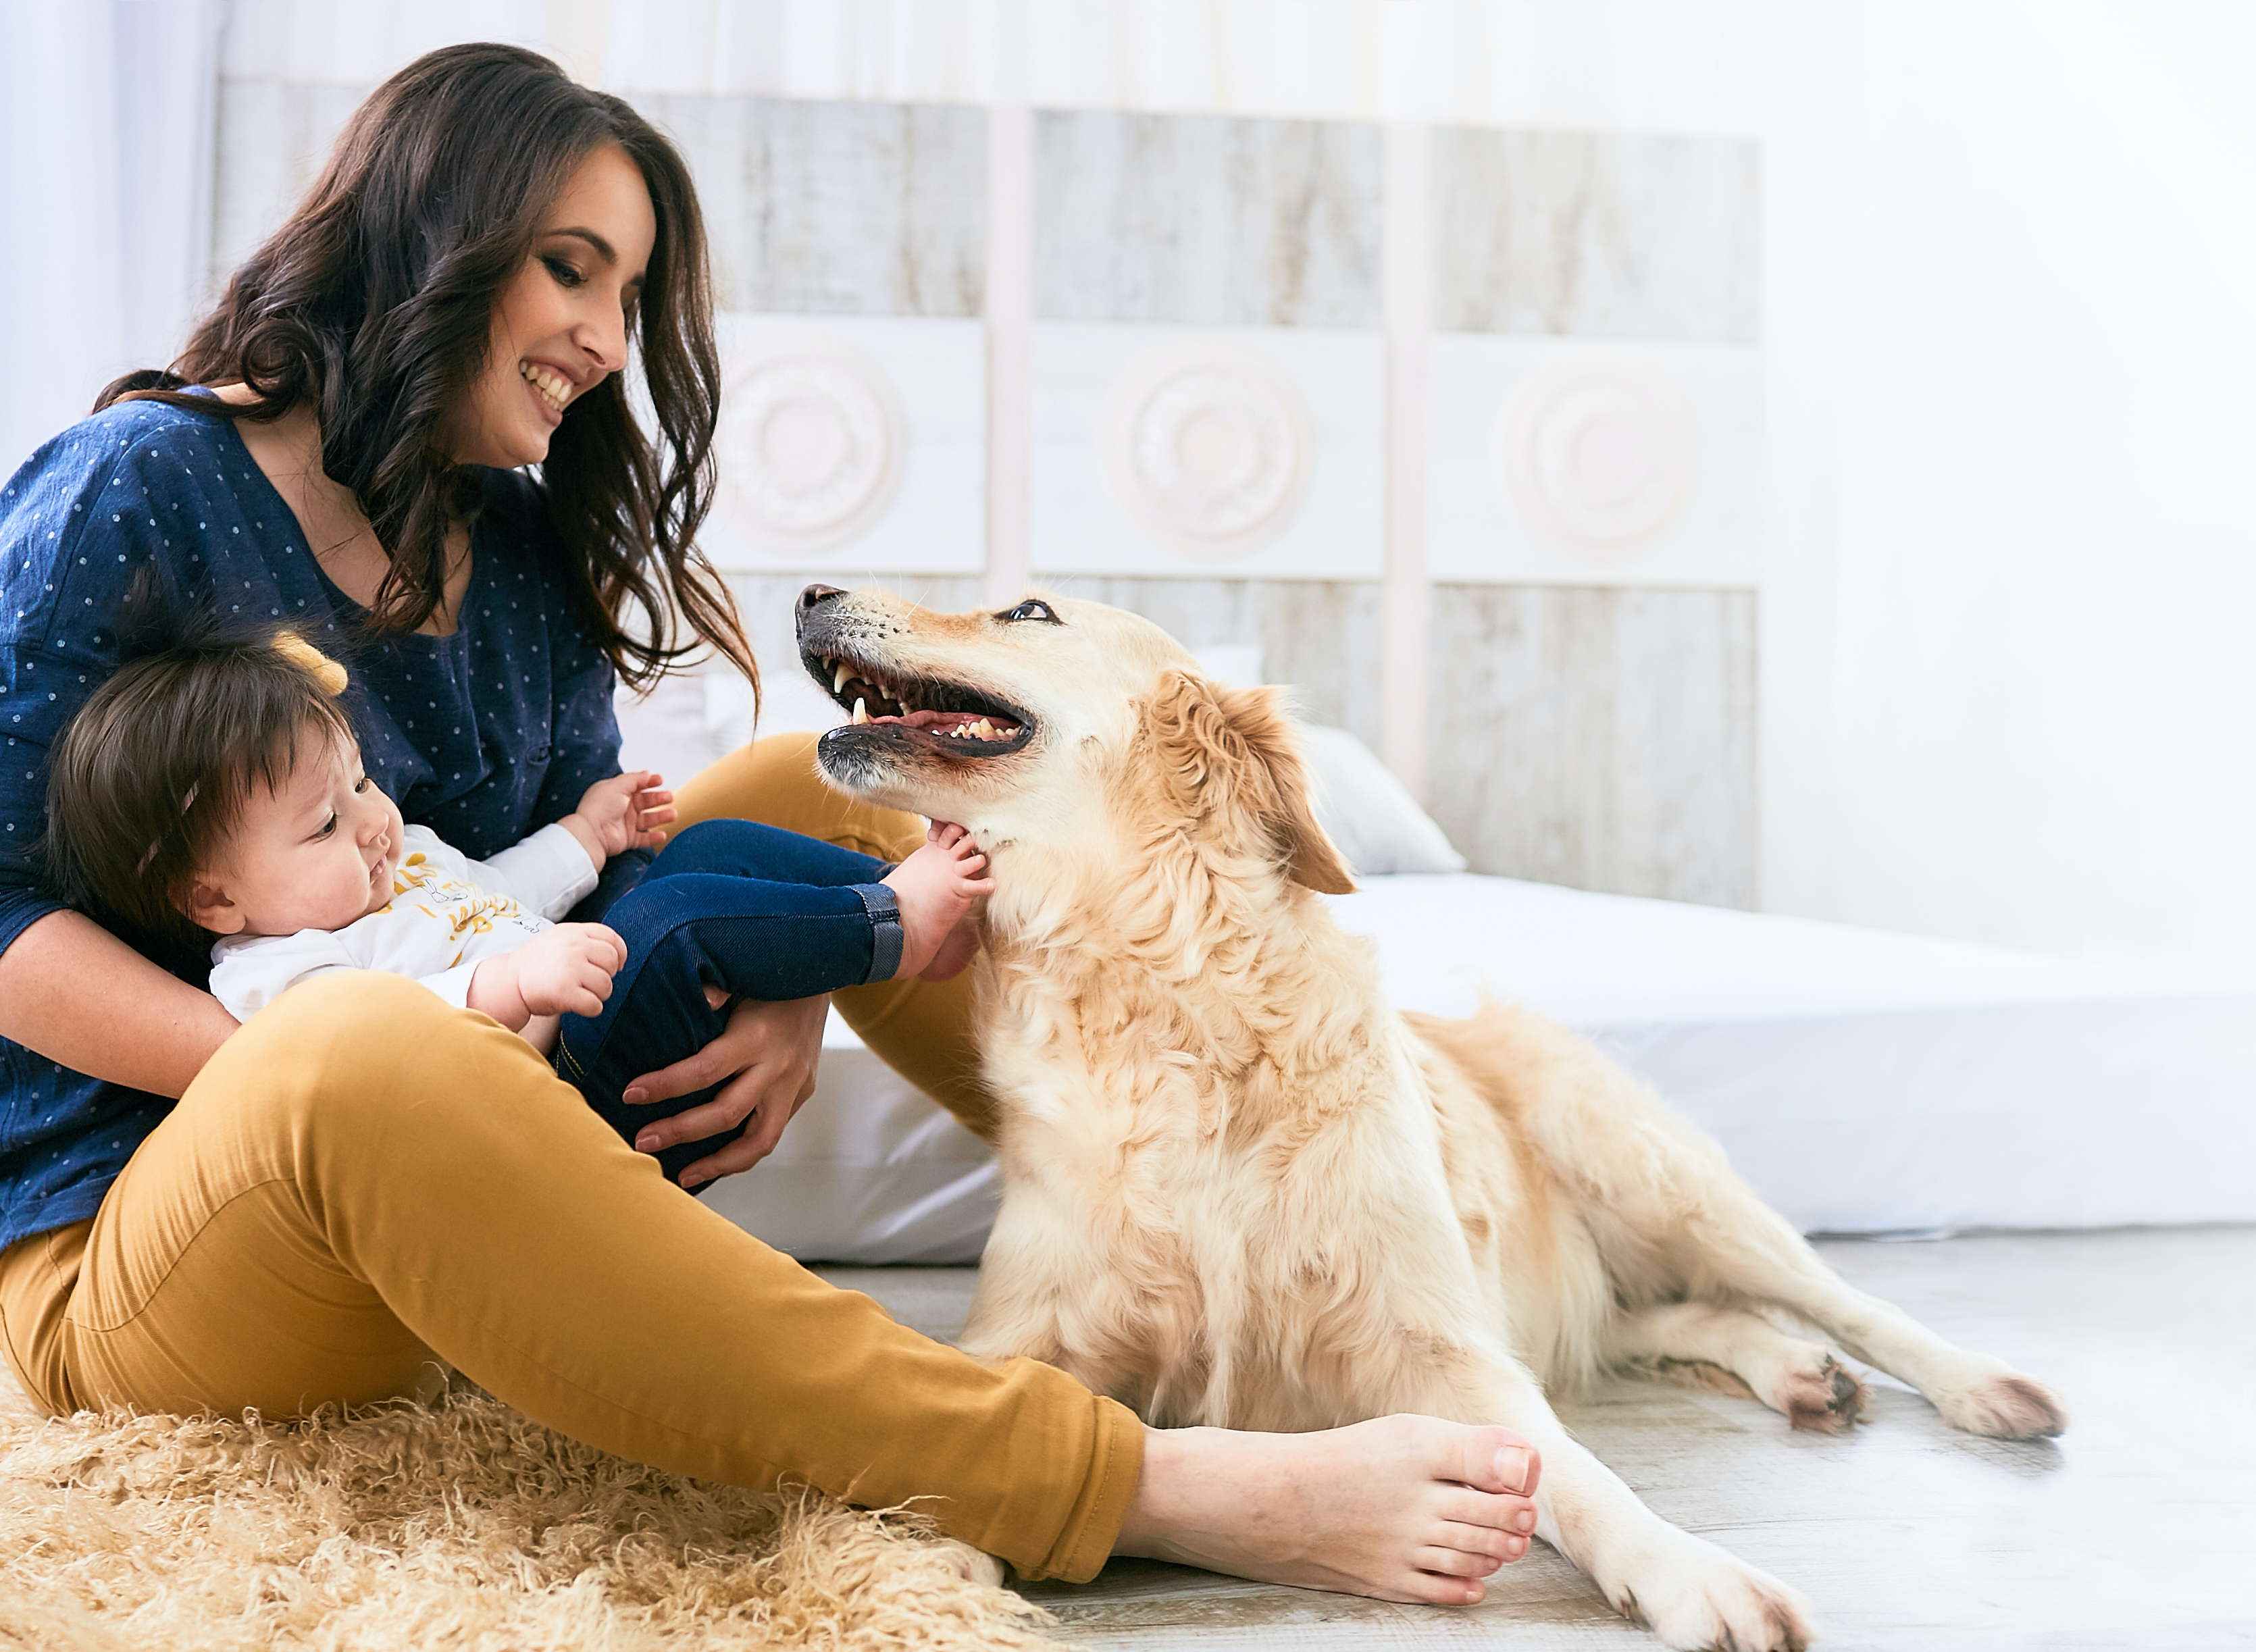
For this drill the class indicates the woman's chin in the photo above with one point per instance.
(523, 442)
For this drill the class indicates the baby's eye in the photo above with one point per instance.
(328, 825)
(360, 786)
(565, 273)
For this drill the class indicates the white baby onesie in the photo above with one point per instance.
(448, 914)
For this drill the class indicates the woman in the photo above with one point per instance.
(362, 1182)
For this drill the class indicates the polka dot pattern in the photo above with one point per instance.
(485, 736)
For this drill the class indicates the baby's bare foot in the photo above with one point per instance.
(934, 887)
(1402, 1507)
(955, 952)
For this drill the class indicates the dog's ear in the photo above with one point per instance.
(1230, 754)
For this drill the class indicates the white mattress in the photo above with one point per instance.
(1863, 1081)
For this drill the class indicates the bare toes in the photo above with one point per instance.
(1488, 1460)
(1455, 1562)
(1441, 1588)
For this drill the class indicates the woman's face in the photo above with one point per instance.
(561, 324)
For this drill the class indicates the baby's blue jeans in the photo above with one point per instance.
(758, 912)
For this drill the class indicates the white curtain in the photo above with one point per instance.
(106, 125)
(2013, 538)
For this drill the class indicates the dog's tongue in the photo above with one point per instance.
(949, 721)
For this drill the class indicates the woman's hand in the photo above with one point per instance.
(772, 1050)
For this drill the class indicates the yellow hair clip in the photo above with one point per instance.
(318, 666)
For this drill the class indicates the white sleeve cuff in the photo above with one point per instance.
(549, 872)
(454, 985)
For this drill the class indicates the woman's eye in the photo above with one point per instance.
(565, 274)
(1033, 611)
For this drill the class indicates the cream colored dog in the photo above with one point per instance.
(1239, 1190)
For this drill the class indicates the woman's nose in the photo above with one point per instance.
(603, 340)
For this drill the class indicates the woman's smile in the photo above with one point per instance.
(551, 389)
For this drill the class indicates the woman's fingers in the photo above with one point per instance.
(763, 1130)
(690, 1073)
(768, 1053)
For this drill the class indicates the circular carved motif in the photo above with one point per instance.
(1598, 463)
(1207, 450)
(811, 445)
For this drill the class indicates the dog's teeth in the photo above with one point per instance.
(861, 710)
(838, 681)
(986, 729)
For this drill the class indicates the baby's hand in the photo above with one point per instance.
(564, 971)
(624, 812)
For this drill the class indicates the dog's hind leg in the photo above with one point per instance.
(1748, 1250)
(1673, 1221)
(1790, 1375)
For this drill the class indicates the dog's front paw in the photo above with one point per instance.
(1698, 1599)
(2004, 1405)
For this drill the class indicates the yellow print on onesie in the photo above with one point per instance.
(463, 907)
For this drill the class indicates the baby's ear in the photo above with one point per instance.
(205, 905)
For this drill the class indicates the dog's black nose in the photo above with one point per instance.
(814, 594)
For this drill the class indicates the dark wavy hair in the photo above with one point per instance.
(374, 302)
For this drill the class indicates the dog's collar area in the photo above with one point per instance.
(962, 717)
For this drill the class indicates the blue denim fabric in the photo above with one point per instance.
(760, 912)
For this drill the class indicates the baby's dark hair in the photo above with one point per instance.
(151, 776)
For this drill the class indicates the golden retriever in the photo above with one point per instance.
(1239, 1190)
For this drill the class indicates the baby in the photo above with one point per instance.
(215, 785)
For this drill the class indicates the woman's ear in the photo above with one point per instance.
(207, 906)
(1232, 754)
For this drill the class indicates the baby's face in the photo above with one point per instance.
(315, 854)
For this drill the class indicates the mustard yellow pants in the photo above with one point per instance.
(364, 1181)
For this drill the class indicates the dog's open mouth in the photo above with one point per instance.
(956, 717)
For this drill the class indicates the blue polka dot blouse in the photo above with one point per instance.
(484, 735)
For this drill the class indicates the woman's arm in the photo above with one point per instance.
(78, 995)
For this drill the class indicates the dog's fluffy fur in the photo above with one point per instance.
(1239, 1190)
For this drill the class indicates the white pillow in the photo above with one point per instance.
(1371, 820)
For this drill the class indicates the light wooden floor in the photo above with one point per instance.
(2135, 1531)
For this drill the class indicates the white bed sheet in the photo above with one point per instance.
(1863, 1081)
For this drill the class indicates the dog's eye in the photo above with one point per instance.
(1033, 611)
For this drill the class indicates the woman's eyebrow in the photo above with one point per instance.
(603, 249)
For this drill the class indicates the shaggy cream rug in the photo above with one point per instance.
(463, 1528)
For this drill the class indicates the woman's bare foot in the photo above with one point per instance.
(936, 887)
(1402, 1507)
